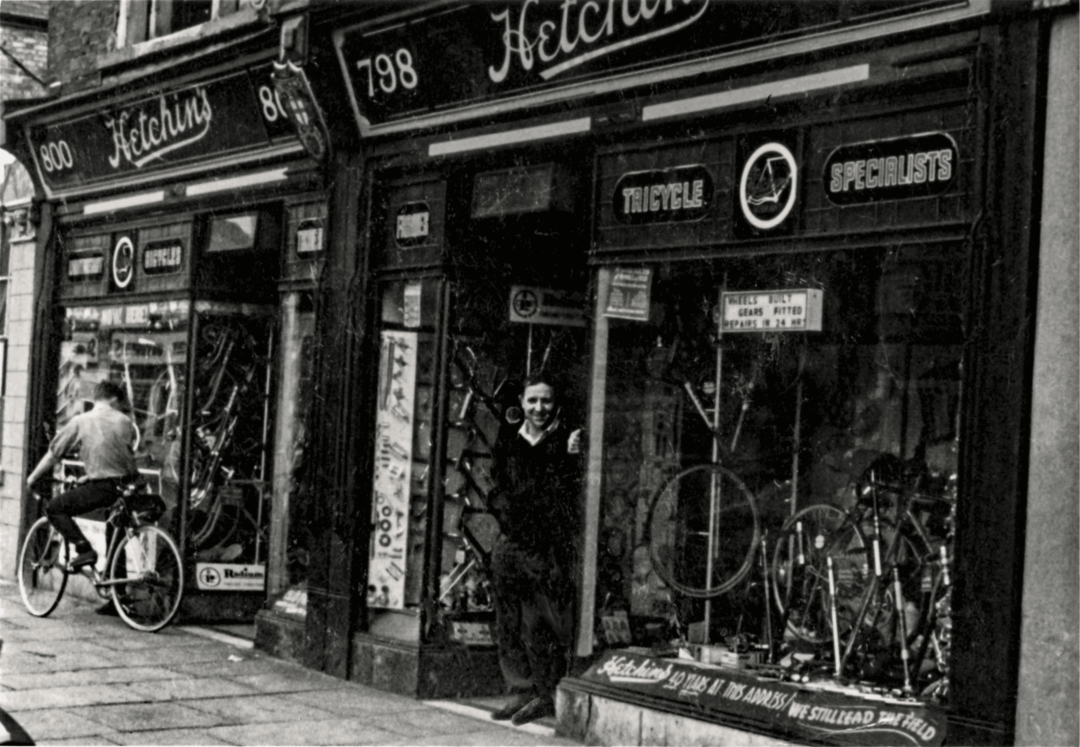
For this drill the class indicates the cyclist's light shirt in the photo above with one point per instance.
(106, 439)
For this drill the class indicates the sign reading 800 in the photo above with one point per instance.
(56, 156)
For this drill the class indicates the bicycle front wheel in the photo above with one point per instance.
(149, 562)
(800, 573)
(42, 568)
(702, 531)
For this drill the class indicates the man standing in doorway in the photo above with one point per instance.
(537, 473)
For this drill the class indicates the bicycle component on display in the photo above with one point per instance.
(905, 653)
(737, 518)
(833, 618)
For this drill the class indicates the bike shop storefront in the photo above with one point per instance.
(184, 267)
(777, 442)
(479, 277)
(781, 279)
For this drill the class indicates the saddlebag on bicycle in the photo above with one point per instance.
(146, 507)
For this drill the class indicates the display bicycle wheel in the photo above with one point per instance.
(800, 572)
(42, 568)
(149, 562)
(702, 531)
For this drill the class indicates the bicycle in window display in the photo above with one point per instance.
(861, 596)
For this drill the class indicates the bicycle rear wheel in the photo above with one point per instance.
(149, 561)
(678, 531)
(42, 568)
(800, 573)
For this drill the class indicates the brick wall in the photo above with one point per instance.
(79, 31)
(28, 43)
(23, 33)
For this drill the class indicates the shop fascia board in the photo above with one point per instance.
(666, 74)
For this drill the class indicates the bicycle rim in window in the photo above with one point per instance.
(800, 573)
(42, 568)
(702, 531)
(150, 562)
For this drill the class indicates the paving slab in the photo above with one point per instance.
(424, 721)
(17, 701)
(273, 682)
(258, 709)
(50, 724)
(324, 732)
(29, 663)
(145, 717)
(78, 742)
(105, 676)
(168, 736)
(355, 701)
(181, 687)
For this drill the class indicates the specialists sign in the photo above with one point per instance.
(896, 169)
(817, 714)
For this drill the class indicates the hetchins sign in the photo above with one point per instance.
(233, 113)
(896, 169)
(677, 194)
(820, 715)
(467, 54)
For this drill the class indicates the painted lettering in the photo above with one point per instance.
(582, 32)
(140, 137)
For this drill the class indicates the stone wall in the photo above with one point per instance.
(79, 31)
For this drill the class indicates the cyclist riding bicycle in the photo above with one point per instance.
(106, 439)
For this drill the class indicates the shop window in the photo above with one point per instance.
(863, 411)
(235, 233)
(143, 20)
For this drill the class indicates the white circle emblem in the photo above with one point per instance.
(767, 188)
(123, 262)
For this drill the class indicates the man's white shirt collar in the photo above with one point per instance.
(523, 431)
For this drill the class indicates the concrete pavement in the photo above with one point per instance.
(81, 678)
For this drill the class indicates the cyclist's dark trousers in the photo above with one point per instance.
(533, 619)
(83, 498)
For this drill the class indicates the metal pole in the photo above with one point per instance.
(714, 492)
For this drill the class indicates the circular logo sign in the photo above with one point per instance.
(123, 263)
(526, 303)
(767, 188)
(209, 576)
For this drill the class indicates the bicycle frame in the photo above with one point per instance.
(905, 518)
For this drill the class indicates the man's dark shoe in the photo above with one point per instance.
(536, 708)
(507, 711)
(108, 609)
(84, 558)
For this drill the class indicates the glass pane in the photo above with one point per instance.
(801, 419)
(232, 234)
(403, 444)
(228, 509)
(145, 349)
